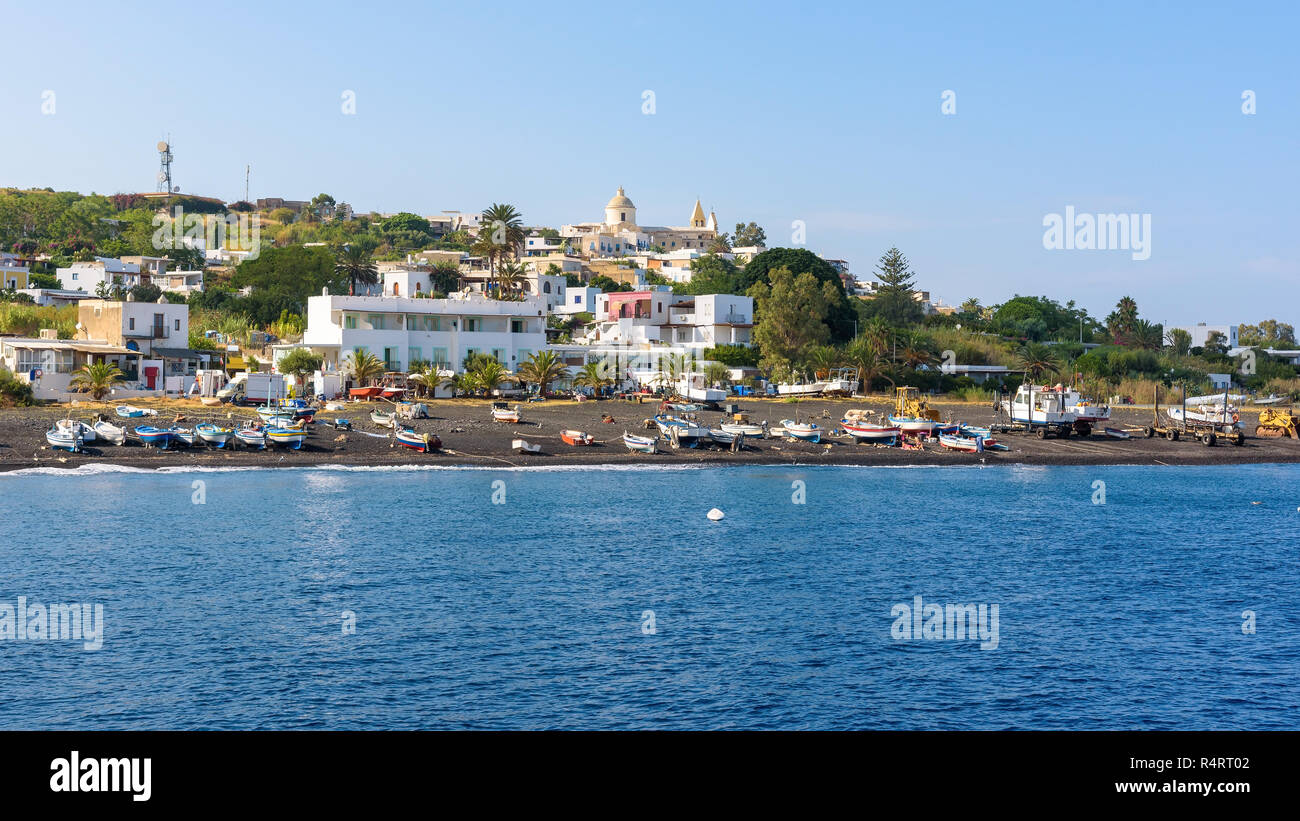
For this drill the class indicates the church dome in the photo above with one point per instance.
(620, 200)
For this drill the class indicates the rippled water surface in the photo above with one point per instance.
(531, 613)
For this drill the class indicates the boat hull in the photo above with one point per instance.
(251, 438)
(213, 435)
(284, 438)
(576, 438)
(908, 424)
(747, 430)
(153, 437)
(802, 432)
(639, 444)
(110, 433)
(870, 433)
(64, 440)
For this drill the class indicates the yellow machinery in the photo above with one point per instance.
(1276, 423)
(909, 404)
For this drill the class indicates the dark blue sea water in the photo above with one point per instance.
(531, 613)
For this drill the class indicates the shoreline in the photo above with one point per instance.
(470, 439)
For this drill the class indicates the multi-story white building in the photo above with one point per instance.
(1200, 333)
(660, 317)
(402, 330)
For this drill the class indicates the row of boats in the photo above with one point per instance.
(73, 435)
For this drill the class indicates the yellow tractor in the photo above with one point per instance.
(1276, 423)
(909, 404)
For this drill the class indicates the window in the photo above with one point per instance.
(74, 274)
(178, 325)
(577, 299)
(440, 356)
(546, 287)
(499, 354)
(350, 322)
(473, 323)
(660, 307)
(518, 326)
(414, 355)
(130, 324)
(376, 321)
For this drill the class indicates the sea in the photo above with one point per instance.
(577, 598)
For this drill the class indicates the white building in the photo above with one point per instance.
(1200, 333)
(660, 317)
(577, 301)
(401, 330)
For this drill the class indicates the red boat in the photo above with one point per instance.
(365, 393)
(576, 437)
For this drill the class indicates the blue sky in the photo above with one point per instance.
(767, 111)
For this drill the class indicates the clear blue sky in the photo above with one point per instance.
(770, 112)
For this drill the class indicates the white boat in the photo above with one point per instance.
(805, 431)
(843, 382)
(683, 432)
(1037, 405)
(639, 444)
(110, 433)
(291, 438)
(521, 446)
(423, 442)
(1225, 416)
(966, 444)
(1115, 433)
(184, 435)
(65, 439)
(73, 425)
(502, 413)
(132, 412)
(801, 388)
(251, 437)
(1084, 409)
(747, 428)
(382, 419)
(213, 434)
(695, 386)
(874, 432)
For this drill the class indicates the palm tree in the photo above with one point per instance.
(98, 378)
(542, 368)
(364, 366)
(672, 368)
(504, 228)
(594, 375)
(1149, 336)
(870, 361)
(971, 306)
(1036, 359)
(721, 244)
(877, 334)
(429, 378)
(915, 350)
(354, 263)
(460, 383)
(822, 358)
(489, 375)
(510, 275)
(717, 374)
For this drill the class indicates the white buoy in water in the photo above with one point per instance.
(715, 515)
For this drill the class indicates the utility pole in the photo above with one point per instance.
(247, 170)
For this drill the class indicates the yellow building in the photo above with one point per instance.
(620, 234)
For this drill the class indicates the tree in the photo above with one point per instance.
(718, 374)
(489, 375)
(747, 235)
(300, 363)
(720, 244)
(1149, 336)
(594, 375)
(712, 274)
(502, 228)
(542, 368)
(355, 264)
(1267, 334)
(97, 378)
(283, 278)
(1122, 322)
(445, 277)
(822, 358)
(894, 302)
(405, 221)
(510, 278)
(1180, 340)
(914, 350)
(841, 315)
(145, 292)
(1036, 359)
(864, 354)
(364, 366)
(429, 378)
(791, 312)
(1216, 343)
(971, 306)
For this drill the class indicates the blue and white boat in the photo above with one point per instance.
(132, 412)
(213, 434)
(291, 438)
(154, 437)
(682, 431)
(251, 437)
(804, 431)
(639, 444)
(70, 440)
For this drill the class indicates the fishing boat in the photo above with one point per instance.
(1115, 433)
(685, 407)
(423, 442)
(275, 414)
(973, 431)
(70, 440)
(252, 437)
(803, 431)
(866, 431)
(184, 435)
(1084, 409)
(365, 393)
(746, 428)
(382, 419)
(291, 438)
(801, 388)
(110, 433)
(75, 426)
(132, 412)
(501, 412)
(912, 414)
(695, 387)
(682, 431)
(841, 382)
(213, 434)
(576, 437)
(966, 444)
(639, 444)
(521, 446)
(154, 437)
(1225, 415)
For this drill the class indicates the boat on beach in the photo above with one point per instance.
(522, 446)
(291, 438)
(966, 444)
(68, 439)
(501, 412)
(576, 438)
(872, 432)
(382, 419)
(912, 413)
(251, 437)
(681, 431)
(73, 425)
(184, 436)
(639, 444)
(746, 428)
(423, 442)
(803, 431)
(213, 434)
(155, 437)
(132, 412)
(109, 432)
